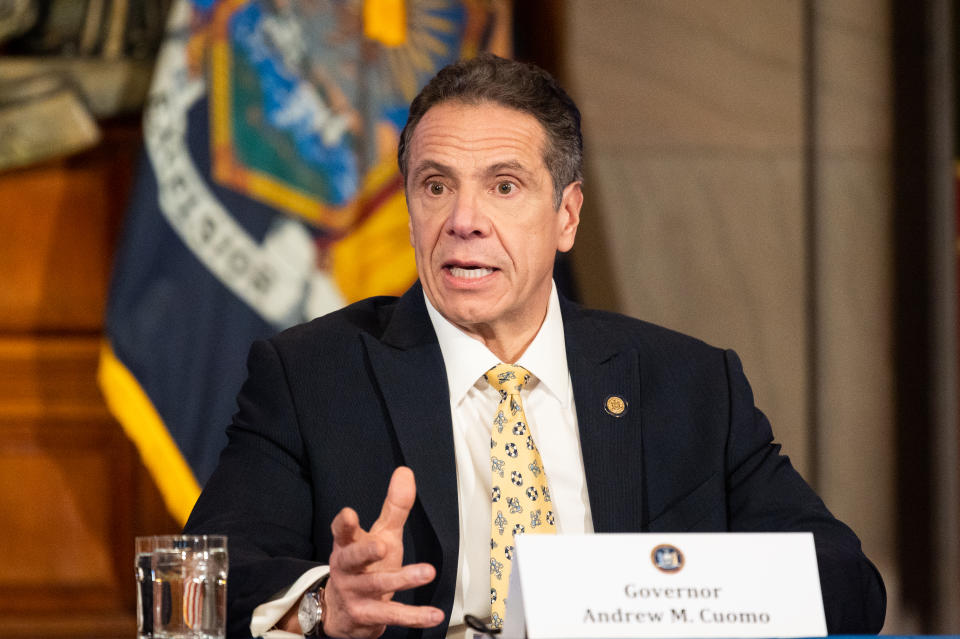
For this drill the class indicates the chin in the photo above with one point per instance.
(465, 306)
(468, 317)
(468, 314)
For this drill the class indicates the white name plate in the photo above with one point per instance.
(665, 585)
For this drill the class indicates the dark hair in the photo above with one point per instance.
(516, 85)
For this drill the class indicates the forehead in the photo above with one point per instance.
(460, 133)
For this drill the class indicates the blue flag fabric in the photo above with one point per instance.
(268, 194)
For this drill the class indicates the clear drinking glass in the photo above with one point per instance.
(190, 587)
(144, 576)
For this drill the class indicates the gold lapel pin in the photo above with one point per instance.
(615, 406)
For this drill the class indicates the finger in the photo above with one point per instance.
(358, 555)
(370, 612)
(400, 497)
(345, 527)
(376, 584)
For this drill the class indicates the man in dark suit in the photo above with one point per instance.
(640, 428)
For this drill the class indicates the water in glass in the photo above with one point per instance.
(189, 593)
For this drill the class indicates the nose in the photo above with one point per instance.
(467, 218)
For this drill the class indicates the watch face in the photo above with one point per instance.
(307, 615)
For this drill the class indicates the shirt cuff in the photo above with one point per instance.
(266, 615)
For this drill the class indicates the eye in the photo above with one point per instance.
(435, 188)
(505, 188)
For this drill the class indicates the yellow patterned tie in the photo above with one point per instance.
(521, 496)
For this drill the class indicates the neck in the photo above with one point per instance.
(508, 351)
(507, 340)
(507, 337)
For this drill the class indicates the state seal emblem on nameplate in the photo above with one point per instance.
(667, 558)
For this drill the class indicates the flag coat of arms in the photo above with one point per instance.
(268, 195)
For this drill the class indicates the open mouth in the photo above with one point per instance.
(469, 272)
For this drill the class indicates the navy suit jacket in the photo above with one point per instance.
(332, 407)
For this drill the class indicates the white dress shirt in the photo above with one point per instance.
(552, 418)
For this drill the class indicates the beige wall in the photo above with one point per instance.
(853, 253)
(720, 204)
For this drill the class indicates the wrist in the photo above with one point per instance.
(290, 622)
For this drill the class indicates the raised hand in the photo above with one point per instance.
(366, 569)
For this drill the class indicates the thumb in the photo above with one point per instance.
(400, 497)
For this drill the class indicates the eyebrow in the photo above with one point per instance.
(430, 165)
(506, 166)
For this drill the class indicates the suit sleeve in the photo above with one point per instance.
(765, 493)
(260, 494)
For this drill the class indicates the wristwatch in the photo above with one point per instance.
(311, 611)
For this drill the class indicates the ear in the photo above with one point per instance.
(569, 213)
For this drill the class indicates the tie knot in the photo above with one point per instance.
(508, 378)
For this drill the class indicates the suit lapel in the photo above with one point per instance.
(409, 370)
(603, 366)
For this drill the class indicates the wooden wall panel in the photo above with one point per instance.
(49, 374)
(72, 491)
(58, 226)
(68, 477)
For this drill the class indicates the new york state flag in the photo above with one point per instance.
(268, 195)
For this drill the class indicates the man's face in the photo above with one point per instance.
(482, 221)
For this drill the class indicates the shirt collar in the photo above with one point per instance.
(467, 359)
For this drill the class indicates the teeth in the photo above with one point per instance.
(470, 273)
